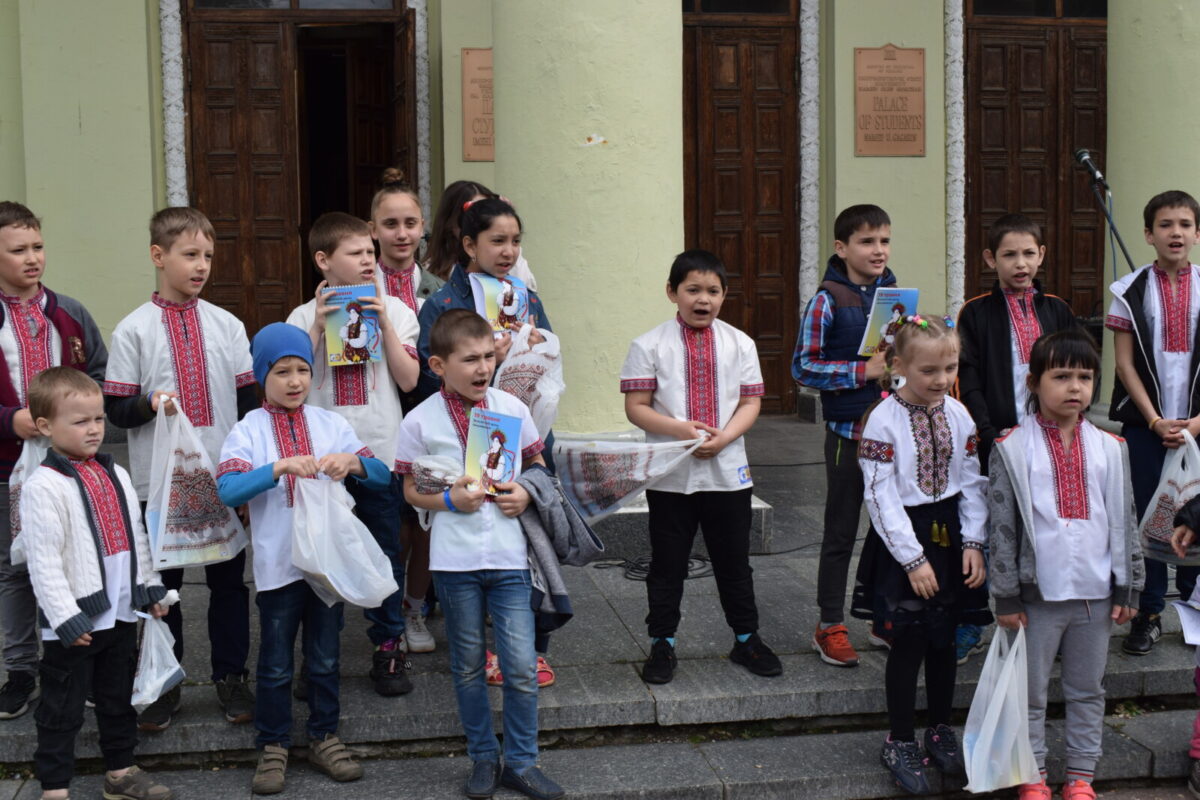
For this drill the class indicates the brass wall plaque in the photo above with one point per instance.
(478, 119)
(889, 101)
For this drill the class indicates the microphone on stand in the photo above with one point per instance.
(1084, 158)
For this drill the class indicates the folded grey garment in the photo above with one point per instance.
(435, 474)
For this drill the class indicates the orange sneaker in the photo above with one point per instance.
(1078, 790)
(1034, 791)
(833, 643)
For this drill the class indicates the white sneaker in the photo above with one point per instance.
(420, 640)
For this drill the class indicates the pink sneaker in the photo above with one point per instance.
(1034, 791)
(1078, 790)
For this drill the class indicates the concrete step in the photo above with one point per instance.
(832, 766)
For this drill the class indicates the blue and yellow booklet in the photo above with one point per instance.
(352, 332)
(890, 307)
(493, 447)
(500, 302)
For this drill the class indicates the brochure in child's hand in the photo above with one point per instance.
(501, 301)
(493, 442)
(890, 307)
(352, 332)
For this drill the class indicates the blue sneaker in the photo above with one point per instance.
(968, 640)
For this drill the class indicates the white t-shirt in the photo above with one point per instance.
(697, 374)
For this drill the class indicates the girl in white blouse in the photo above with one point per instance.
(922, 570)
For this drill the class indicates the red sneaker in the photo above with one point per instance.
(1078, 790)
(833, 644)
(1034, 791)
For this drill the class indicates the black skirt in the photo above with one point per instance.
(884, 595)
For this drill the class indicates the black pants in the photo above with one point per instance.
(228, 615)
(724, 519)
(904, 662)
(843, 504)
(107, 666)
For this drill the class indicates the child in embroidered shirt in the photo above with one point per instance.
(921, 571)
(263, 456)
(39, 329)
(89, 561)
(696, 375)
(1066, 559)
(1155, 319)
(1187, 524)
(179, 346)
(478, 555)
(365, 394)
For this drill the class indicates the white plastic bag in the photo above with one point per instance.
(1179, 483)
(158, 670)
(186, 521)
(339, 557)
(434, 475)
(996, 745)
(33, 452)
(534, 375)
(600, 477)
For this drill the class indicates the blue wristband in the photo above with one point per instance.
(447, 501)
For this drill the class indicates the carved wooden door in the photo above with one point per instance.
(244, 166)
(740, 182)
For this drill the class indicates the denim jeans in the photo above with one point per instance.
(466, 598)
(281, 612)
(380, 512)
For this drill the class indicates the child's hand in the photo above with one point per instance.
(1012, 621)
(1122, 614)
(923, 581)
(243, 514)
(156, 399)
(1170, 430)
(158, 610)
(466, 499)
(23, 425)
(503, 345)
(1181, 539)
(713, 445)
(974, 568)
(338, 465)
(688, 429)
(376, 305)
(82, 641)
(300, 466)
(877, 365)
(323, 309)
(513, 499)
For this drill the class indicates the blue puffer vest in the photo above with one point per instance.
(851, 304)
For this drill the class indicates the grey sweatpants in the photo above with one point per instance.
(1081, 628)
(18, 608)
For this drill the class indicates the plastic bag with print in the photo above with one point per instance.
(599, 477)
(534, 375)
(1178, 483)
(33, 452)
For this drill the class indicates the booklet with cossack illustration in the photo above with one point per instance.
(351, 332)
(493, 445)
(890, 307)
(500, 302)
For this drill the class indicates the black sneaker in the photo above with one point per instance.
(754, 655)
(660, 666)
(907, 765)
(16, 694)
(943, 749)
(236, 699)
(1144, 631)
(389, 671)
(157, 716)
(1194, 779)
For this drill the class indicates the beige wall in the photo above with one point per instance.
(12, 134)
(463, 23)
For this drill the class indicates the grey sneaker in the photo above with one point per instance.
(158, 715)
(236, 699)
(331, 757)
(271, 769)
(135, 785)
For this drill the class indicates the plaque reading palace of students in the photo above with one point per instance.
(889, 101)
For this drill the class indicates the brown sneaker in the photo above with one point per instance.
(833, 643)
(331, 757)
(135, 785)
(269, 774)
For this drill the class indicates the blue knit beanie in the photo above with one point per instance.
(275, 341)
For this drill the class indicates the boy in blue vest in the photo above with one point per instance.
(827, 359)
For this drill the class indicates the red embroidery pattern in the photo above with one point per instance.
(1070, 472)
(104, 506)
(533, 449)
(291, 439)
(233, 465)
(244, 379)
(753, 389)
(401, 284)
(350, 385)
(934, 445)
(875, 450)
(403, 467)
(186, 337)
(1176, 310)
(117, 389)
(972, 445)
(700, 373)
(460, 416)
(193, 505)
(32, 332)
(1026, 328)
(364, 452)
(639, 385)
(1115, 323)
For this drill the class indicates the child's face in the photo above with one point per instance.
(77, 428)
(1016, 260)
(22, 260)
(185, 266)
(398, 227)
(496, 250)
(699, 298)
(468, 370)
(350, 263)
(866, 254)
(288, 382)
(1173, 235)
(1063, 392)
(929, 367)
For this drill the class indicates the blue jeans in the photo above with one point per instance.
(280, 613)
(380, 512)
(466, 597)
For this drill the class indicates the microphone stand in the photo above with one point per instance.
(1112, 226)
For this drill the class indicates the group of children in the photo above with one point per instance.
(969, 446)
